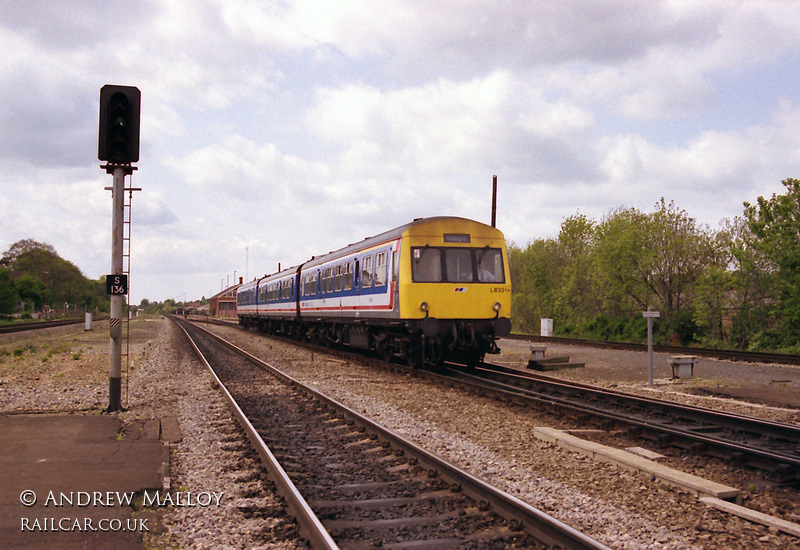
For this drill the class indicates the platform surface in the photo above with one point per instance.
(67, 479)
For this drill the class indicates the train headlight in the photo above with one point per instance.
(496, 306)
(423, 307)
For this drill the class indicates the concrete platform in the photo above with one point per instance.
(688, 482)
(68, 480)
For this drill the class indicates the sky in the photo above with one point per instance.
(272, 131)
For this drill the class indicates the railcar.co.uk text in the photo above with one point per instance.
(108, 499)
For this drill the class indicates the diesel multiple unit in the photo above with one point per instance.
(433, 289)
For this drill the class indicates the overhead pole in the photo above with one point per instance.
(494, 201)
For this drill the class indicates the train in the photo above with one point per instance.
(433, 290)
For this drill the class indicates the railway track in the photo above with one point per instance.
(770, 446)
(352, 484)
(7, 329)
(729, 355)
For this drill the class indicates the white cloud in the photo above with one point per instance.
(291, 128)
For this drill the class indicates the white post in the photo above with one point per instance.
(650, 315)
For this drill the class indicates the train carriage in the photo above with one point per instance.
(269, 302)
(433, 289)
(455, 288)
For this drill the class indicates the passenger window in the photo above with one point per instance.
(310, 288)
(426, 265)
(348, 276)
(366, 272)
(380, 269)
(490, 265)
(338, 284)
(329, 279)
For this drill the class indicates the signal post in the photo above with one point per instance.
(118, 144)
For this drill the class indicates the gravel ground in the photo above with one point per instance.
(619, 508)
(165, 380)
(491, 439)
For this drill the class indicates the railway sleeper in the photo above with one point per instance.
(706, 429)
(377, 503)
(432, 521)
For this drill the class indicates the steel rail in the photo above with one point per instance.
(732, 421)
(520, 514)
(724, 354)
(310, 526)
(735, 421)
(754, 425)
(36, 325)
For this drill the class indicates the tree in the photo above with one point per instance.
(533, 271)
(682, 253)
(31, 290)
(739, 285)
(652, 260)
(774, 226)
(8, 293)
(46, 278)
(63, 280)
(575, 293)
(21, 247)
(623, 262)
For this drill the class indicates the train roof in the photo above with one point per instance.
(386, 236)
(369, 242)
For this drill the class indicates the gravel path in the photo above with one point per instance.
(165, 380)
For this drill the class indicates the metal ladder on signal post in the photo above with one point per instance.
(126, 270)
